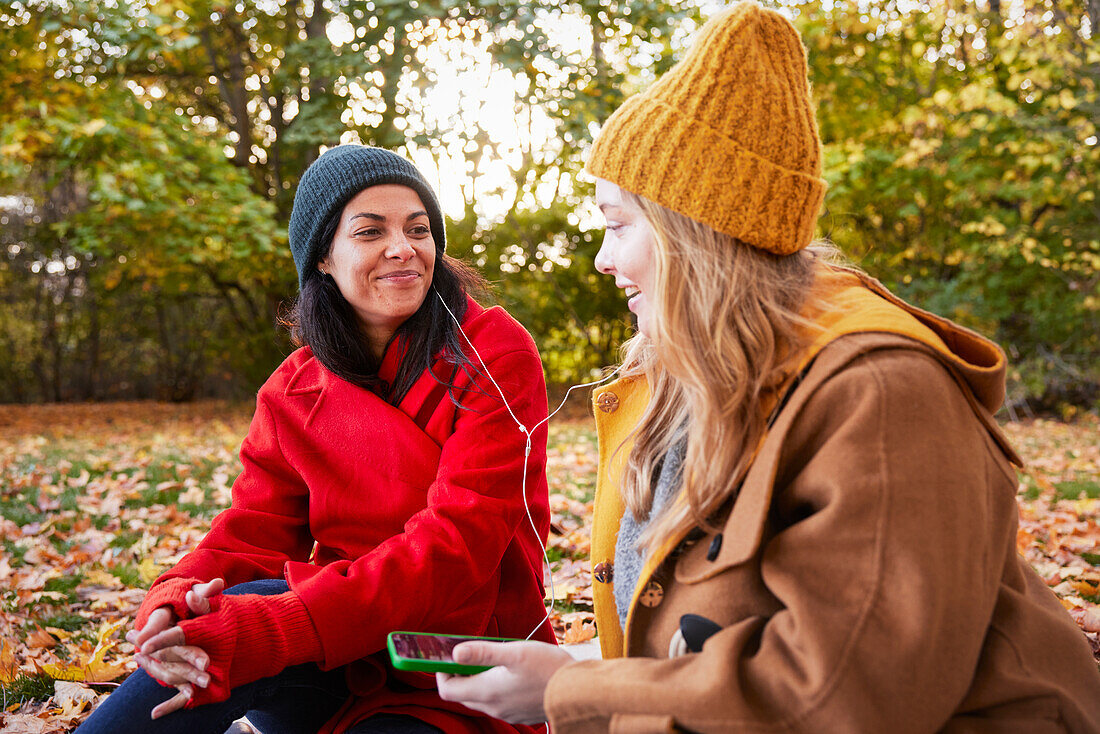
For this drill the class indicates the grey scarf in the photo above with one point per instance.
(628, 559)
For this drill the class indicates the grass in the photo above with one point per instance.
(1078, 489)
(65, 585)
(26, 688)
(64, 620)
(128, 574)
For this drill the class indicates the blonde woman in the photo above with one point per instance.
(805, 517)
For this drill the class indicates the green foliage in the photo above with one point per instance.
(138, 256)
(963, 165)
(150, 153)
(151, 184)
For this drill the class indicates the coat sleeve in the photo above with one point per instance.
(267, 523)
(884, 565)
(450, 549)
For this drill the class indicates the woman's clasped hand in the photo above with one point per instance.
(163, 652)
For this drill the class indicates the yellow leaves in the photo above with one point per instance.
(72, 699)
(149, 570)
(1083, 587)
(954, 257)
(919, 149)
(91, 666)
(99, 577)
(988, 227)
(9, 666)
(1028, 249)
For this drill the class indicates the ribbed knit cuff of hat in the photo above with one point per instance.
(249, 637)
(171, 593)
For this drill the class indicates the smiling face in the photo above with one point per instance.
(628, 252)
(382, 259)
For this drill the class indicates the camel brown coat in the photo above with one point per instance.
(865, 578)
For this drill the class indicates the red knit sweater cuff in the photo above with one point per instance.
(249, 637)
(284, 630)
(171, 593)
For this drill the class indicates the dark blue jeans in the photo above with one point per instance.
(296, 701)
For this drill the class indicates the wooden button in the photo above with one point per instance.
(715, 546)
(652, 595)
(604, 572)
(608, 402)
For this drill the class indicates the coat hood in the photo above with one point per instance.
(860, 304)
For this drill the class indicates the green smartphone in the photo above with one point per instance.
(430, 653)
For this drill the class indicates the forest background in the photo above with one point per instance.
(149, 153)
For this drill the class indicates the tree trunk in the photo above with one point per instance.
(233, 95)
(91, 373)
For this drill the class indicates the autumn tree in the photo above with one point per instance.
(964, 168)
(265, 86)
(151, 151)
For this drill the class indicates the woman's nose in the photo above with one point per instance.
(604, 262)
(400, 249)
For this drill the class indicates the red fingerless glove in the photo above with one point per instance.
(170, 593)
(249, 637)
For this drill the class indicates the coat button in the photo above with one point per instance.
(608, 402)
(604, 572)
(715, 546)
(652, 595)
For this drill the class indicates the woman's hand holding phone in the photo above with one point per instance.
(513, 688)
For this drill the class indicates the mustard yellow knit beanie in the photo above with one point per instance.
(726, 137)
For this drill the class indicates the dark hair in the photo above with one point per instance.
(322, 319)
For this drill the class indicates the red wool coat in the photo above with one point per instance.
(380, 518)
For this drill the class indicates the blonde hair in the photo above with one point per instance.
(729, 330)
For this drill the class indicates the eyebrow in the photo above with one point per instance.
(605, 207)
(379, 218)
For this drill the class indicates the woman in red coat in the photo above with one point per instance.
(383, 489)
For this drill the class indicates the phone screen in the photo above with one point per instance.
(430, 653)
(426, 647)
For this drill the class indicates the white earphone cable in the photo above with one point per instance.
(527, 450)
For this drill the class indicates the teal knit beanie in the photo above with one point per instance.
(333, 180)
